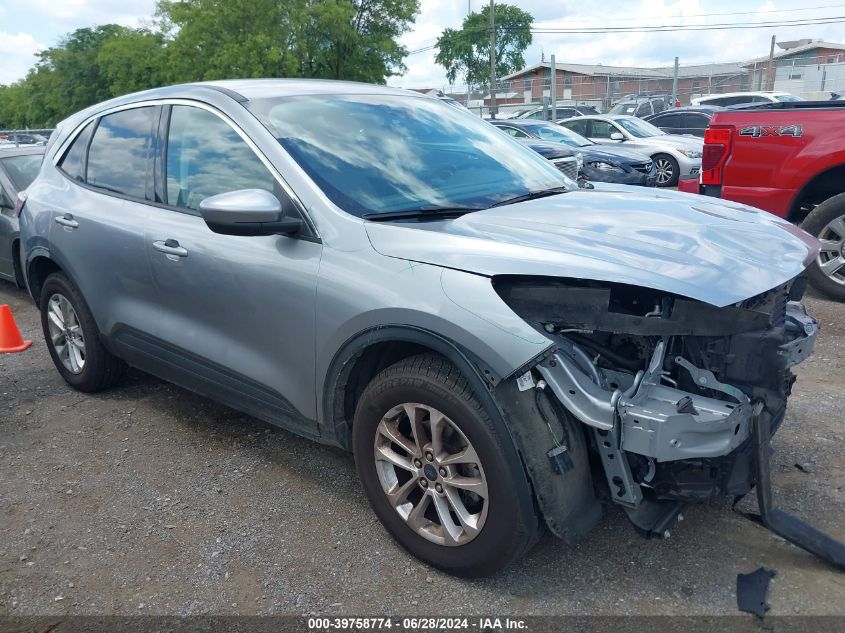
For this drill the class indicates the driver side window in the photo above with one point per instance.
(603, 129)
(205, 156)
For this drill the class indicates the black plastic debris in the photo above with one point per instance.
(751, 591)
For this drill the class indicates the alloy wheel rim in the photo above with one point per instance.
(431, 474)
(831, 257)
(664, 170)
(66, 333)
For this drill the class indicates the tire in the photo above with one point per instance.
(827, 222)
(95, 368)
(506, 525)
(670, 163)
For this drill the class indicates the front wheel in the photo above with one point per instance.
(827, 223)
(73, 338)
(436, 472)
(668, 170)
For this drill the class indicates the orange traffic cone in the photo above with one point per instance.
(10, 336)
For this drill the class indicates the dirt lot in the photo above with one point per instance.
(150, 500)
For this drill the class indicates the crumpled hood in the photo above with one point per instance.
(695, 246)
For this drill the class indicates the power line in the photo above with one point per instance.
(669, 27)
(725, 26)
(662, 28)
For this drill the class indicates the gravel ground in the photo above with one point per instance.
(150, 500)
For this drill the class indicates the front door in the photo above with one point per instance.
(236, 313)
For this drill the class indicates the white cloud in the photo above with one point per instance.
(17, 50)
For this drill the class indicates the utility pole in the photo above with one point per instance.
(770, 76)
(554, 90)
(469, 87)
(492, 59)
(675, 84)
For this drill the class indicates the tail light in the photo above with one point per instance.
(717, 147)
(19, 202)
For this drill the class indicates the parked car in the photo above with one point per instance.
(499, 349)
(24, 138)
(674, 156)
(600, 163)
(564, 158)
(18, 168)
(641, 106)
(692, 120)
(562, 112)
(788, 159)
(741, 98)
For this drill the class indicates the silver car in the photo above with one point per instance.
(376, 270)
(18, 168)
(674, 156)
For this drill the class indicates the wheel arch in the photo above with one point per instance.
(819, 188)
(38, 267)
(372, 350)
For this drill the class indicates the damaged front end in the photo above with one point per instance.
(677, 395)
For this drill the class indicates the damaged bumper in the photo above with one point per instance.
(677, 397)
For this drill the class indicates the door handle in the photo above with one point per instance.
(68, 221)
(170, 248)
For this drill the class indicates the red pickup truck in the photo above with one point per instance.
(788, 159)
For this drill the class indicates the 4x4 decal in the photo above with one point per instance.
(758, 131)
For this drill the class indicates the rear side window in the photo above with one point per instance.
(205, 156)
(73, 163)
(120, 152)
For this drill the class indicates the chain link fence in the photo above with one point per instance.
(602, 86)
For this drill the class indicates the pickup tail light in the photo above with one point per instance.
(19, 202)
(717, 148)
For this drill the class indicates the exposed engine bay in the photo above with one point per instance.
(668, 388)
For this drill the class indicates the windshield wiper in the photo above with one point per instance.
(422, 212)
(532, 195)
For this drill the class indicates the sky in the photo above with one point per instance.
(27, 26)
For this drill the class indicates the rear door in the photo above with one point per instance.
(236, 314)
(98, 219)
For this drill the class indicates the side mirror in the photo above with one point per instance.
(247, 212)
(617, 136)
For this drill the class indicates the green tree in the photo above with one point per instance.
(132, 60)
(229, 39)
(356, 39)
(338, 39)
(466, 51)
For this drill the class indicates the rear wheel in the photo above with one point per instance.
(73, 338)
(667, 170)
(827, 223)
(436, 472)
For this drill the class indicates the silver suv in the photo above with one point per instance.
(380, 271)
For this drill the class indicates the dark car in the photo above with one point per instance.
(564, 158)
(692, 120)
(18, 168)
(601, 163)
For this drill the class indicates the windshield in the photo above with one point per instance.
(788, 98)
(639, 128)
(558, 134)
(384, 153)
(22, 169)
